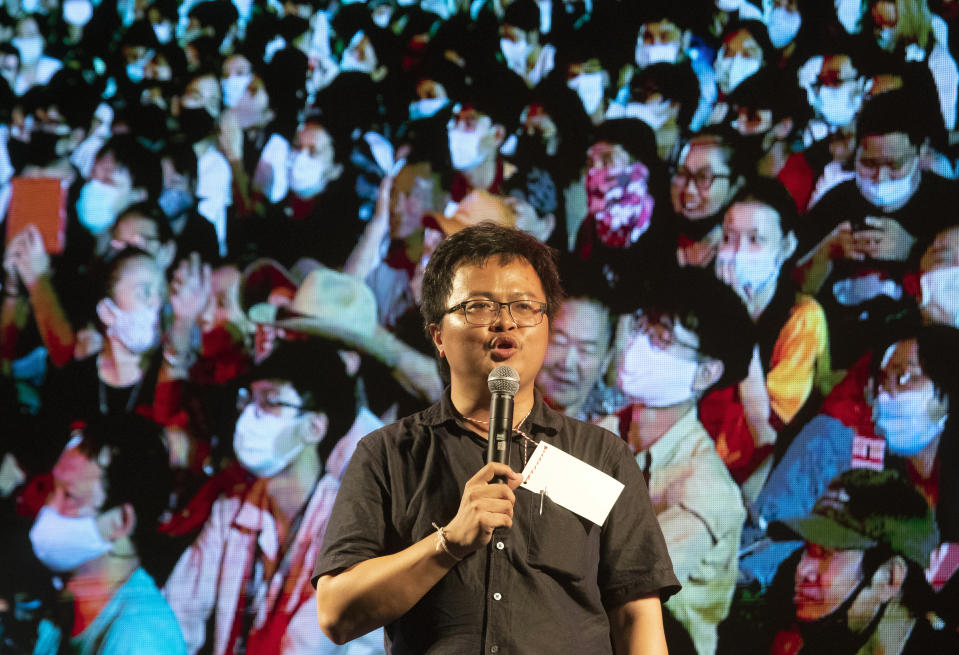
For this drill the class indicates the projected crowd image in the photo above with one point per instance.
(216, 218)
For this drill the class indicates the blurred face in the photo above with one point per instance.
(108, 171)
(140, 285)
(237, 65)
(226, 289)
(133, 230)
(411, 196)
(752, 227)
(473, 351)
(883, 157)
(742, 43)
(884, 14)
(578, 352)
(203, 92)
(77, 485)
(943, 253)
(606, 156)
(902, 371)
(316, 142)
(659, 32)
(701, 186)
(824, 579)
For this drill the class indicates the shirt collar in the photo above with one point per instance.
(665, 450)
(541, 418)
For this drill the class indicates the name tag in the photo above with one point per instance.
(868, 453)
(571, 483)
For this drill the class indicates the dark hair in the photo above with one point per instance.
(888, 113)
(107, 272)
(584, 280)
(523, 14)
(730, 142)
(476, 245)
(675, 82)
(770, 89)
(770, 192)
(136, 470)
(315, 370)
(756, 29)
(151, 212)
(144, 166)
(711, 309)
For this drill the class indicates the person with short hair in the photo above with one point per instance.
(690, 335)
(420, 542)
(859, 584)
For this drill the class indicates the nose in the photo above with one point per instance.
(808, 568)
(504, 320)
(569, 361)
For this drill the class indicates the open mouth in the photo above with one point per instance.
(503, 348)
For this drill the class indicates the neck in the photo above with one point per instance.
(773, 161)
(482, 175)
(94, 584)
(892, 632)
(291, 487)
(117, 366)
(925, 460)
(758, 303)
(650, 424)
(475, 404)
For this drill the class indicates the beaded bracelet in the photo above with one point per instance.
(441, 542)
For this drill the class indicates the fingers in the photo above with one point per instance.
(491, 470)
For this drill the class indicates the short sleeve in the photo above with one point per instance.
(357, 530)
(634, 561)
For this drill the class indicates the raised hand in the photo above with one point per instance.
(483, 508)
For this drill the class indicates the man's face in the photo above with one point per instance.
(473, 351)
(659, 32)
(140, 285)
(137, 231)
(411, 196)
(701, 185)
(902, 370)
(882, 157)
(754, 228)
(77, 485)
(578, 352)
(824, 579)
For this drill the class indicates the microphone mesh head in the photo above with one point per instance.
(503, 379)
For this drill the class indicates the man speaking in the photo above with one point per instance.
(423, 542)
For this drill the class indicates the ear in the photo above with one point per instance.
(118, 522)
(888, 579)
(437, 335)
(707, 374)
(318, 424)
(789, 246)
(105, 312)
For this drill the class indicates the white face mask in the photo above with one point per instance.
(589, 88)
(30, 47)
(655, 377)
(754, 270)
(838, 105)
(890, 194)
(728, 5)
(515, 53)
(426, 107)
(382, 16)
(465, 151)
(648, 54)
(940, 287)
(63, 543)
(265, 444)
(234, 87)
(654, 114)
(904, 420)
(351, 60)
(783, 25)
(138, 330)
(731, 71)
(848, 12)
(97, 206)
(77, 12)
(163, 31)
(307, 174)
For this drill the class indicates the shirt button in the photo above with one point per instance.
(500, 545)
(497, 596)
(494, 649)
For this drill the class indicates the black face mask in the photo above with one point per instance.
(831, 635)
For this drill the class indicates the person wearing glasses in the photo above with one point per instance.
(243, 586)
(703, 182)
(690, 335)
(420, 543)
(857, 239)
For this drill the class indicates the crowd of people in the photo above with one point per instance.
(217, 217)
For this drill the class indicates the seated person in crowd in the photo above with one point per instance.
(580, 348)
(97, 532)
(689, 336)
(909, 392)
(707, 176)
(791, 364)
(858, 586)
(249, 569)
(857, 239)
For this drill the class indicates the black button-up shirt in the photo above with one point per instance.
(543, 586)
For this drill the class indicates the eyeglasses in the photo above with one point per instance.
(525, 313)
(662, 328)
(703, 179)
(265, 399)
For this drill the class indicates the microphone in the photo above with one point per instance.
(503, 383)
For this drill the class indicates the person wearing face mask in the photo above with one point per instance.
(858, 236)
(519, 44)
(691, 335)
(475, 132)
(898, 418)
(858, 583)
(97, 534)
(177, 201)
(260, 540)
(744, 51)
(36, 68)
(791, 364)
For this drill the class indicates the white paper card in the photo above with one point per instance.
(571, 483)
